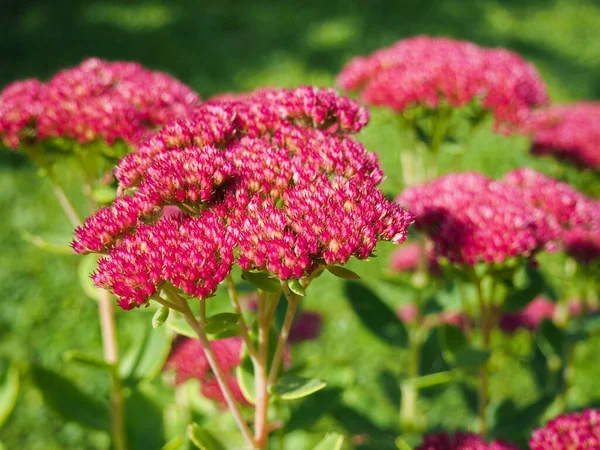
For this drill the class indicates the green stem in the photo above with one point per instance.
(288, 321)
(485, 324)
(237, 307)
(261, 428)
(214, 365)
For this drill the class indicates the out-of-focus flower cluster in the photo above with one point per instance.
(542, 308)
(569, 132)
(407, 259)
(274, 178)
(95, 100)
(408, 313)
(471, 218)
(425, 70)
(461, 441)
(569, 432)
(188, 360)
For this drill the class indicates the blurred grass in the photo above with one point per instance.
(233, 46)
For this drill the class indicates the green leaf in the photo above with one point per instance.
(536, 285)
(9, 391)
(245, 378)
(375, 315)
(160, 316)
(310, 409)
(104, 194)
(296, 287)
(69, 401)
(180, 326)
(202, 438)
(262, 281)
(146, 356)
(87, 265)
(206, 439)
(401, 444)
(60, 245)
(452, 340)
(174, 444)
(88, 360)
(342, 272)
(332, 441)
(472, 358)
(291, 387)
(220, 323)
(434, 379)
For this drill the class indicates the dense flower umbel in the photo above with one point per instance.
(425, 70)
(471, 218)
(95, 100)
(574, 217)
(570, 132)
(274, 178)
(575, 431)
(461, 441)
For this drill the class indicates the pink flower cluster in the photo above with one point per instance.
(95, 100)
(406, 259)
(461, 441)
(570, 132)
(274, 178)
(530, 317)
(426, 70)
(574, 217)
(471, 218)
(188, 361)
(573, 431)
(542, 308)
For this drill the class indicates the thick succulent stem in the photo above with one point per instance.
(261, 428)
(215, 367)
(288, 321)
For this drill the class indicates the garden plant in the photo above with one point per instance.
(221, 215)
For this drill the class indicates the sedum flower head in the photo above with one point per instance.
(573, 217)
(95, 100)
(570, 132)
(426, 70)
(272, 181)
(461, 441)
(471, 219)
(569, 431)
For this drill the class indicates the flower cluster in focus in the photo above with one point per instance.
(425, 70)
(273, 181)
(95, 100)
(569, 132)
(569, 432)
(461, 441)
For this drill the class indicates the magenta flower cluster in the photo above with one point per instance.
(273, 181)
(461, 441)
(471, 218)
(530, 317)
(569, 432)
(573, 217)
(570, 132)
(95, 100)
(425, 70)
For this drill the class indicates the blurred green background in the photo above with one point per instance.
(235, 46)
